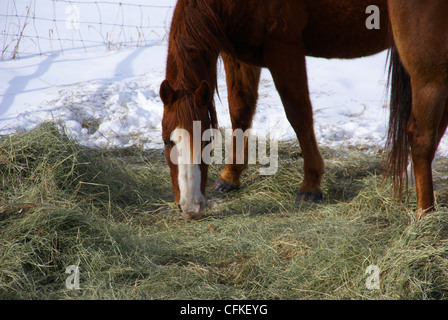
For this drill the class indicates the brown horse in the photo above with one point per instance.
(419, 84)
(250, 35)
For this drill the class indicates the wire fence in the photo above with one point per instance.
(30, 27)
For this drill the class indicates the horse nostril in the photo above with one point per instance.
(191, 210)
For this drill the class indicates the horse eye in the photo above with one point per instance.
(167, 143)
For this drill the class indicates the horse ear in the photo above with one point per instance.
(203, 94)
(167, 93)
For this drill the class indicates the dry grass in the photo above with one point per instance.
(111, 214)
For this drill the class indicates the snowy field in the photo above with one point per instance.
(107, 96)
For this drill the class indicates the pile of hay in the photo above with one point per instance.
(111, 214)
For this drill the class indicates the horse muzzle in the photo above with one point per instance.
(192, 210)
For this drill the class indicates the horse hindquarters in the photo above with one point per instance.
(419, 118)
(420, 33)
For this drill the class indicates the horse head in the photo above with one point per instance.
(187, 115)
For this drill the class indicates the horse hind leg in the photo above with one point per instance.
(242, 87)
(428, 122)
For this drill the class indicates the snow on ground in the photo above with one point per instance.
(105, 99)
(109, 98)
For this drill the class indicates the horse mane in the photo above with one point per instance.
(197, 36)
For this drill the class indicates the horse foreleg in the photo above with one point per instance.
(288, 68)
(428, 122)
(242, 88)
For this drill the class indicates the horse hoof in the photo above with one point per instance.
(223, 187)
(308, 197)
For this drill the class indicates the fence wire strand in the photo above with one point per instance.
(57, 25)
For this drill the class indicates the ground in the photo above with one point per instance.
(111, 213)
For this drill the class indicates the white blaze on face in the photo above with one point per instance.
(192, 202)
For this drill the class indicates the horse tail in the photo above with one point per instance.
(398, 144)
